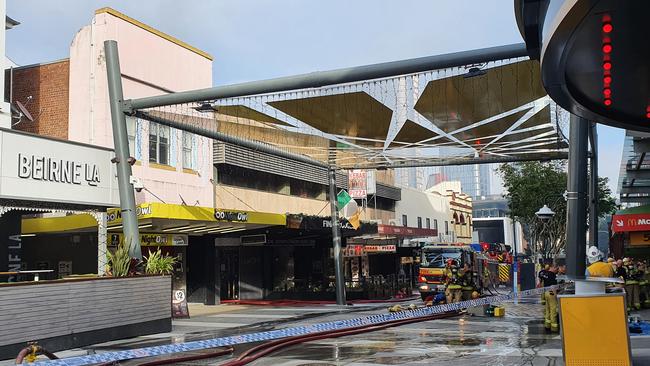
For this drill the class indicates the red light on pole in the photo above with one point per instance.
(607, 92)
(607, 48)
(607, 102)
(607, 65)
(607, 80)
(607, 27)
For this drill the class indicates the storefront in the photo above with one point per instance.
(292, 261)
(630, 231)
(40, 175)
(386, 261)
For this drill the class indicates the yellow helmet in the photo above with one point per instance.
(475, 295)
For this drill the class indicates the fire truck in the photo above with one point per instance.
(431, 277)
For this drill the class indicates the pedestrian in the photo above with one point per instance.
(548, 278)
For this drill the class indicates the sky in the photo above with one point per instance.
(261, 39)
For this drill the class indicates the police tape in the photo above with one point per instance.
(283, 333)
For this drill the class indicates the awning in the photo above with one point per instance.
(163, 217)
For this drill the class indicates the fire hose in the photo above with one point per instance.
(31, 352)
(273, 346)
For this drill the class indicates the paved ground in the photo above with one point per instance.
(517, 339)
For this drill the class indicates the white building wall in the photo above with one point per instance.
(415, 203)
(5, 108)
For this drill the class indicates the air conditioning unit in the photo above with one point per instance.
(253, 239)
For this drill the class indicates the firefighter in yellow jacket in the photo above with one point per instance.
(598, 268)
(454, 288)
(632, 284)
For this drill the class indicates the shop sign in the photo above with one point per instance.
(231, 216)
(639, 238)
(115, 214)
(357, 183)
(380, 248)
(633, 222)
(353, 251)
(344, 224)
(153, 240)
(36, 168)
(45, 168)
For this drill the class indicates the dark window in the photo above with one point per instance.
(419, 222)
(158, 143)
(252, 179)
(435, 224)
(446, 227)
(404, 221)
(428, 223)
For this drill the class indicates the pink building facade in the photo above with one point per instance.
(175, 167)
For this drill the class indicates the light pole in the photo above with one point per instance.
(545, 214)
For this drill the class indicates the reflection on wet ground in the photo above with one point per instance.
(519, 338)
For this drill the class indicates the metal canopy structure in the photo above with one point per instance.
(483, 112)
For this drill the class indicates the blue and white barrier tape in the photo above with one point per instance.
(282, 333)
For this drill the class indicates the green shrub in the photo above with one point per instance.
(157, 263)
(119, 262)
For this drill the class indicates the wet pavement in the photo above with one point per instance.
(519, 338)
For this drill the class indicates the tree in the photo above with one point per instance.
(530, 185)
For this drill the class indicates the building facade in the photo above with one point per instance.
(460, 210)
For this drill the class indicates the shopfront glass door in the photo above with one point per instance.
(229, 273)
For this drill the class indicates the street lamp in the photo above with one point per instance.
(545, 214)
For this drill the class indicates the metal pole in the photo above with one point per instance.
(577, 198)
(593, 186)
(336, 238)
(333, 77)
(121, 141)
(515, 269)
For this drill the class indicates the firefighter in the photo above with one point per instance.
(631, 284)
(453, 288)
(541, 275)
(467, 282)
(644, 283)
(550, 309)
(597, 268)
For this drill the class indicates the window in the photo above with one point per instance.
(404, 221)
(428, 223)
(446, 227)
(419, 222)
(187, 150)
(158, 143)
(435, 224)
(130, 131)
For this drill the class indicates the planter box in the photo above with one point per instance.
(74, 313)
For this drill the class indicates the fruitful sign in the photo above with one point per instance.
(632, 222)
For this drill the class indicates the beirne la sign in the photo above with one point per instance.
(56, 170)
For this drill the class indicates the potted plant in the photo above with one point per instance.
(159, 264)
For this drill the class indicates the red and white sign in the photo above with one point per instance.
(380, 248)
(357, 183)
(632, 222)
